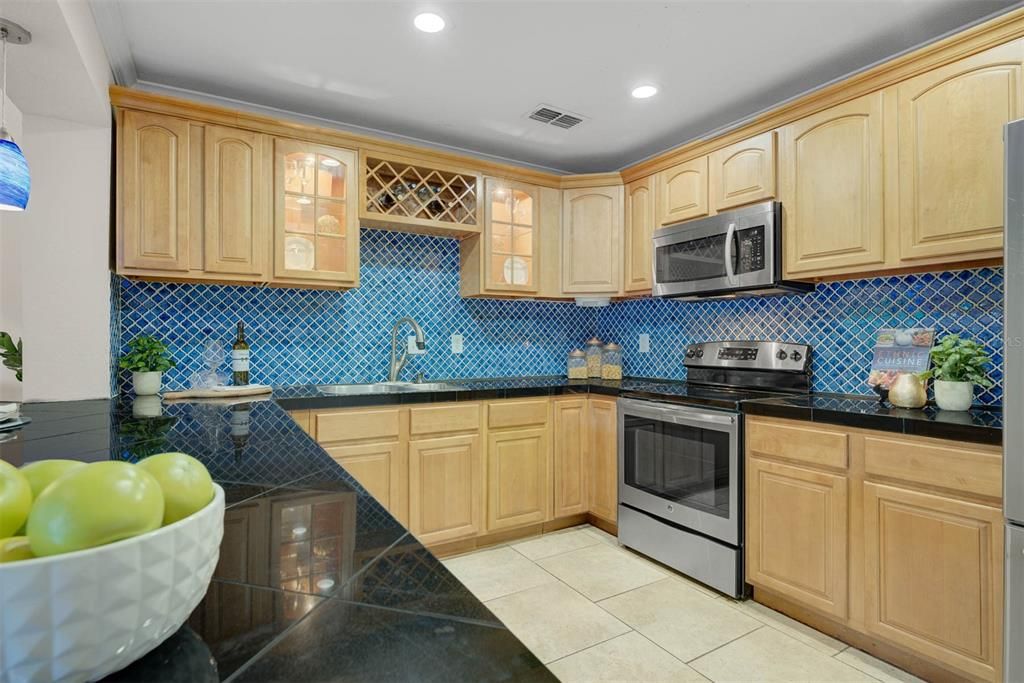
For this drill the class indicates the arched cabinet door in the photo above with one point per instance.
(639, 213)
(236, 231)
(743, 172)
(154, 214)
(683, 191)
(951, 154)
(831, 183)
(316, 225)
(592, 240)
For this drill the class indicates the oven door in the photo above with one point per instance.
(732, 251)
(681, 464)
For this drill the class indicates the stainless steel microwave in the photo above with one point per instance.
(732, 254)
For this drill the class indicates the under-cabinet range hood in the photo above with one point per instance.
(727, 256)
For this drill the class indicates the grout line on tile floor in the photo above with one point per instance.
(584, 649)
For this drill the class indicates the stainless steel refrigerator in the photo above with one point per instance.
(1013, 401)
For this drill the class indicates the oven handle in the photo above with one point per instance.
(730, 271)
(673, 413)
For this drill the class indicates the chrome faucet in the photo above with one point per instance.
(398, 361)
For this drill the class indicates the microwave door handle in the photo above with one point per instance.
(730, 271)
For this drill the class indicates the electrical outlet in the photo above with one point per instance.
(456, 343)
(645, 343)
(411, 346)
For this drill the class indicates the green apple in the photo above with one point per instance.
(185, 482)
(15, 499)
(93, 505)
(42, 472)
(15, 548)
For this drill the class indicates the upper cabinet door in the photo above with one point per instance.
(154, 201)
(512, 243)
(683, 191)
(640, 212)
(236, 226)
(831, 185)
(743, 172)
(592, 240)
(951, 154)
(316, 226)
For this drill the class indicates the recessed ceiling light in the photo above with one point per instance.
(642, 92)
(428, 22)
(330, 163)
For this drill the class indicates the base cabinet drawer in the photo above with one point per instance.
(445, 488)
(934, 580)
(797, 534)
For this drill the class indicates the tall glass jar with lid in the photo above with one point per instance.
(576, 365)
(594, 351)
(611, 362)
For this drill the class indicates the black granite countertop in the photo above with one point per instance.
(316, 580)
(978, 425)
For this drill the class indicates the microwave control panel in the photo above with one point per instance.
(750, 250)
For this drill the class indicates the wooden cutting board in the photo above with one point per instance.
(221, 392)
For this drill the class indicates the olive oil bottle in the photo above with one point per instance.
(240, 359)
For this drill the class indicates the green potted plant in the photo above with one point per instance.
(958, 365)
(147, 359)
(11, 353)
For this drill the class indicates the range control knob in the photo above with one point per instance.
(700, 352)
(690, 353)
(781, 354)
(797, 356)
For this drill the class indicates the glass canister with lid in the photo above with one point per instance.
(611, 362)
(576, 365)
(594, 351)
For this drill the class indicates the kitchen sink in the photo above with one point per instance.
(384, 388)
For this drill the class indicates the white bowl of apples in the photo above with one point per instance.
(101, 562)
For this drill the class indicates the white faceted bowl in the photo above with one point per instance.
(83, 615)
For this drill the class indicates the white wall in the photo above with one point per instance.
(54, 279)
(10, 275)
(64, 261)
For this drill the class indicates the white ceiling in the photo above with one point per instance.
(363, 63)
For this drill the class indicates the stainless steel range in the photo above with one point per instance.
(681, 461)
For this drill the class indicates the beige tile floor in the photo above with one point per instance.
(594, 611)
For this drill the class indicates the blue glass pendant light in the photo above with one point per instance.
(15, 181)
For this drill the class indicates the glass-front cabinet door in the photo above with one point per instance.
(511, 258)
(316, 226)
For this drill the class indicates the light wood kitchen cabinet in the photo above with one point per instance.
(446, 488)
(592, 240)
(743, 172)
(569, 455)
(508, 259)
(316, 224)
(603, 473)
(950, 180)
(380, 468)
(518, 488)
(934, 579)
(891, 539)
(237, 225)
(683, 191)
(154, 188)
(831, 185)
(797, 533)
(639, 229)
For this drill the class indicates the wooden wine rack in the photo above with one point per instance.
(401, 194)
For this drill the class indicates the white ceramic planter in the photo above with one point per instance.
(146, 383)
(954, 395)
(82, 615)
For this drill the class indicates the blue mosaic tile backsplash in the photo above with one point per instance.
(838, 320)
(312, 336)
(316, 336)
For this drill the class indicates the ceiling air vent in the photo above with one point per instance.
(547, 114)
